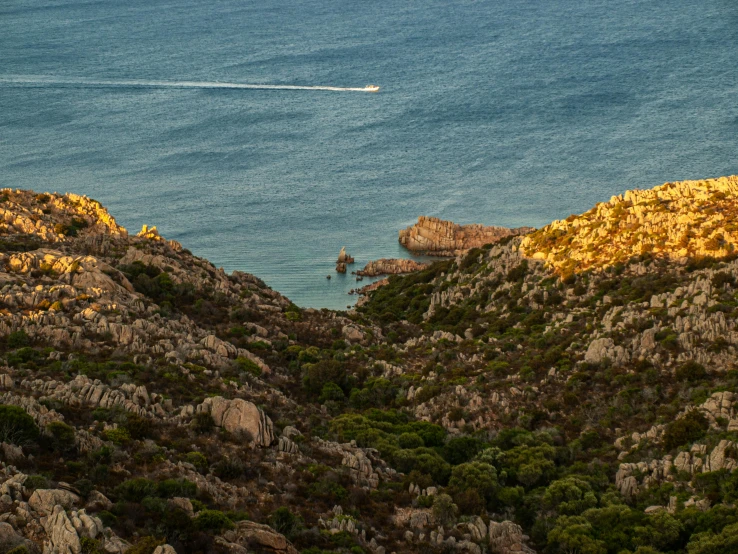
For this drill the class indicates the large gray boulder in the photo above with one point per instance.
(239, 416)
(43, 501)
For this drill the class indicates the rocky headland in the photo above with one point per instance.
(505, 400)
(436, 237)
(390, 266)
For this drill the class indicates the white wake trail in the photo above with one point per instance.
(53, 81)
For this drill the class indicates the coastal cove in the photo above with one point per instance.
(511, 114)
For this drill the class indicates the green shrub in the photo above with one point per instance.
(22, 356)
(138, 427)
(203, 423)
(107, 518)
(62, 436)
(285, 522)
(90, 546)
(170, 488)
(36, 482)
(212, 520)
(146, 545)
(444, 509)
(16, 426)
(691, 371)
(18, 339)
(476, 476)
(331, 391)
(135, 490)
(693, 426)
(461, 449)
(410, 440)
(119, 435)
(228, 468)
(198, 460)
(247, 366)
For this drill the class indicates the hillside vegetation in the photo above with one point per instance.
(571, 391)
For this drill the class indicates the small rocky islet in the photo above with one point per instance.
(567, 389)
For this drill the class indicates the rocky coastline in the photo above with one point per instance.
(436, 237)
(390, 266)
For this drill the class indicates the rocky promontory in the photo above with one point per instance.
(390, 266)
(437, 237)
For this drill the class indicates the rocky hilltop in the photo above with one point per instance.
(676, 220)
(437, 237)
(502, 401)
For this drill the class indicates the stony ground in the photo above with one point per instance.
(568, 391)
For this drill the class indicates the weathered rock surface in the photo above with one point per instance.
(390, 266)
(662, 222)
(249, 533)
(240, 416)
(445, 238)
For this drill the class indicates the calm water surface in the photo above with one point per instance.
(497, 112)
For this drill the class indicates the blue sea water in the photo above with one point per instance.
(498, 112)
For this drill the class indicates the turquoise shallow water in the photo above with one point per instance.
(509, 113)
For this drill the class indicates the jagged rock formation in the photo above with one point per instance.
(679, 220)
(437, 237)
(392, 266)
(343, 260)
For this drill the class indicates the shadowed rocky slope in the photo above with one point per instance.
(501, 401)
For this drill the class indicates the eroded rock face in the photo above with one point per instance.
(390, 266)
(240, 416)
(446, 238)
(249, 533)
(507, 538)
(45, 500)
(61, 534)
(9, 538)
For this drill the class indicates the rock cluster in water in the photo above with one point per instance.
(343, 260)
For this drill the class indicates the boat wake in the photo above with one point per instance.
(35, 81)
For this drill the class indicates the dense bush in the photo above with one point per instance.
(62, 436)
(686, 429)
(212, 520)
(16, 426)
(136, 490)
(691, 371)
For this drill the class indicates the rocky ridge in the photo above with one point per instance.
(678, 220)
